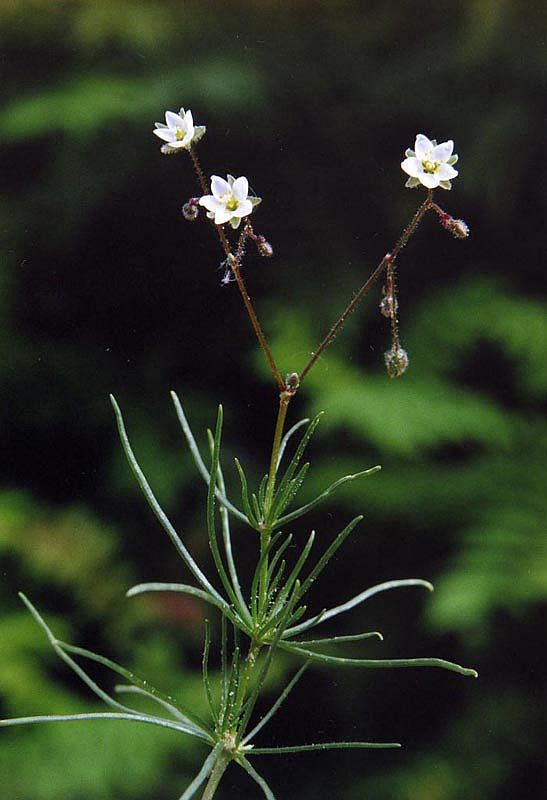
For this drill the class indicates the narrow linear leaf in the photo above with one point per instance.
(306, 748)
(354, 637)
(262, 491)
(133, 717)
(277, 705)
(81, 673)
(227, 541)
(192, 718)
(299, 512)
(124, 689)
(253, 694)
(205, 671)
(285, 440)
(372, 663)
(328, 554)
(194, 450)
(183, 588)
(295, 461)
(359, 598)
(251, 518)
(268, 794)
(297, 569)
(156, 508)
(211, 522)
(290, 493)
(256, 577)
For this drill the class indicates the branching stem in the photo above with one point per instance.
(389, 258)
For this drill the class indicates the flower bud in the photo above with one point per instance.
(263, 246)
(292, 381)
(459, 229)
(396, 361)
(190, 209)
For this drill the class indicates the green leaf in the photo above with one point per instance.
(359, 598)
(277, 705)
(299, 512)
(306, 748)
(257, 778)
(196, 455)
(372, 663)
(157, 509)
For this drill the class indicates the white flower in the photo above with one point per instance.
(230, 200)
(179, 131)
(430, 164)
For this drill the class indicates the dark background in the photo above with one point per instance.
(105, 288)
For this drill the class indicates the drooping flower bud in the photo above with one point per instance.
(459, 229)
(190, 210)
(264, 247)
(396, 360)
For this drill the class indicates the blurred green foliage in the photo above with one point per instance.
(103, 287)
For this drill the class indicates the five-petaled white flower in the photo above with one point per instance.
(230, 201)
(179, 131)
(430, 164)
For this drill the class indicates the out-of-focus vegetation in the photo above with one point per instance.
(104, 287)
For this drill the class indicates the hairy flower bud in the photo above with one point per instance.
(264, 247)
(396, 361)
(292, 381)
(459, 229)
(190, 209)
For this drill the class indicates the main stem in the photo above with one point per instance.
(214, 778)
(266, 533)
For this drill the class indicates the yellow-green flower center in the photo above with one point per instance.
(430, 166)
(232, 204)
(180, 133)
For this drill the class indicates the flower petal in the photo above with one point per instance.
(244, 208)
(219, 186)
(211, 203)
(412, 167)
(165, 134)
(222, 216)
(188, 119)
(423, 146)
(431, 181)
(446, 172)
(174, 120)
(240, 188)
(443, 151)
